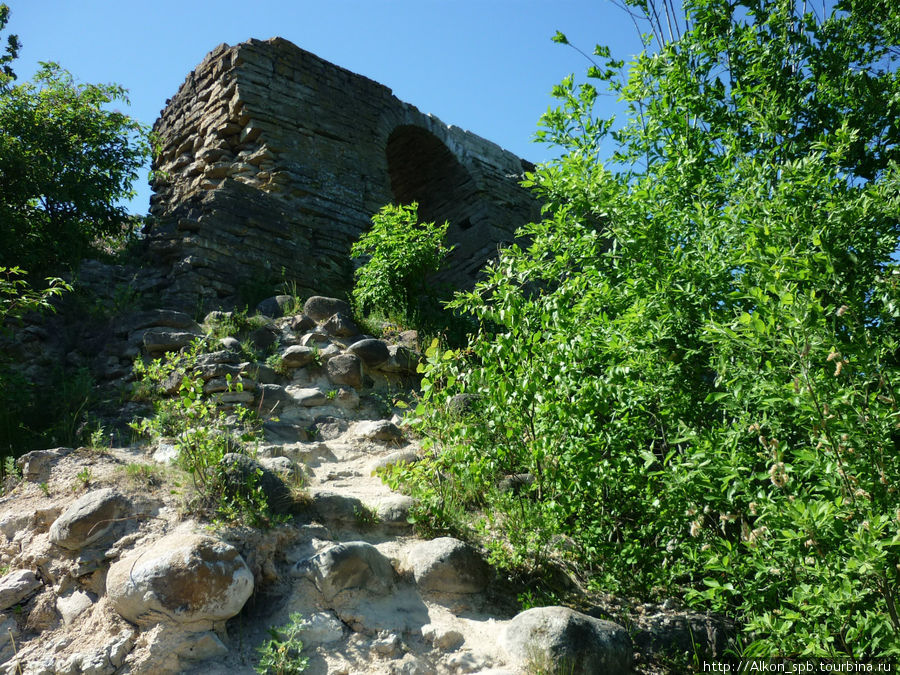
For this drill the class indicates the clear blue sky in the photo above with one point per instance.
(483, 65)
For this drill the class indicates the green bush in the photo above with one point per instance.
(695, 356)
(280, 655)
(401, 253)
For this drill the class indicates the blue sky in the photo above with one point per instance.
(484, 65)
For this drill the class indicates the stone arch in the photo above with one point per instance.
(422, 169)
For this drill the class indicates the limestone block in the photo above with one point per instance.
(372, 352)
(378, 430)
(320, 308)
(16, 586)
(350, 565)
(345, 369)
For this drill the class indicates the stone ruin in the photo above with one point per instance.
(271, 162)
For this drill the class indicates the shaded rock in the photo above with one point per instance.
(402, 360)
(163, 318)
(320, 308)
(371, 352)
(345, 369)
(347, 398)
(354, 564)
(284, 432)
(442, 638)
(335, 507)
(16, 586)
(276, 306)
(243, 473)
(340, 324)
(297, 356)
(462, 404)
(264, 337)
(394, 511)
(683, 632)
(190, 579)
(328, 428)
(448, 565)
(515, 482)
(161, 340)
(560, 636)
(36, 465)
(230, 343)
(378, 430)
(316, 338)
(302, 323)
(89, 518)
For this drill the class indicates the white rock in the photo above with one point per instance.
(16, 586)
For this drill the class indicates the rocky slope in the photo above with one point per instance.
(107, 570)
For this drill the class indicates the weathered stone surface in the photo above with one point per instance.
(307, 396)
(272, 159)
(160, 340)
(320, 308)
(372, 352)
(35, 465)
(345, 369)
(448, 565)
(580, 644)
(16, 586)
(401, 360)
(351, 565)
(89, 518)
(340, 325)
(321, 628)
(336, 508)
(190, 579)
(401, 456)
(378, 430)
(297, 356)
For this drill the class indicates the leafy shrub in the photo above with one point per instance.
(203, 434)
(401, 254)
(695, 357)
(280, 655)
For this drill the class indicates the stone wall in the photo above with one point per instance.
(271, 162)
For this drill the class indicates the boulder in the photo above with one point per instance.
(372, 352)
(276, 306)
(242, 472)
(90, 517)
(302, 323)
(16, 586)
(340, 325)
(190, 579)
(345, 369)
(306, 396)
(567, 639)
(297, 356)
(319, 308)
(402, 360)
(378, 430)
(350, 565)
(448, 565)
(158, 341)
(36, 465)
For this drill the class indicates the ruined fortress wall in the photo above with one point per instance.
(271, 162)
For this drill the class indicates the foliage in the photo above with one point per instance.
(65, 162)
(17, 297)
(280, 655)
(203, 433)
(401, 254)
(695, 354)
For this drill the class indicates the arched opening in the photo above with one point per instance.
(422, 169)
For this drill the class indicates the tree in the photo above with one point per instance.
(696, 354)
(66, 161)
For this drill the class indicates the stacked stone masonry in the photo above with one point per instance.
(272, 161)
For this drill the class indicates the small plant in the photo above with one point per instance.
(280, 655)
(143, 474)
(98, 440)
(44, 488)
(84, 477)
(331, 394)
(365, 516)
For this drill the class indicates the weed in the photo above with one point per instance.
(45, 488)
(84, 477)
(143, 474)
(281, 654)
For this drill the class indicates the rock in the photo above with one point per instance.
(340, 324)
(157, 341)
(462, 404)
(284, 432)
(393, 511)
(190, 579)
(275, 306)
(399, 457)
(162, 318)
(279, 465)
(562, 637)
(90, 517)
(328, 428)
(13, 523)
(347, 398)
(315, 339)
(371, 352)
(297, 356)
(36, 465)
(241, 473)
(447, 565)
(73, 605)
(336, 507)
(217, 316)
(302, 323)
(16, 586)
(350, 565)
(675, 633)
(264, 337)
(442, 638)
(389, 645)
(321, 628)
(515, 482)
(230, 343)
(345, 369)
(402, 360)
(306, 396)
(378, 430)
(320, 308)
